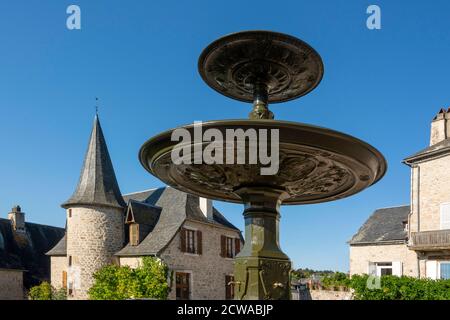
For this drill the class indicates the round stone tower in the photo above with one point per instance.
(95, 218)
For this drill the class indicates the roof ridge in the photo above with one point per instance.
(136, 192)
(34, 223)
(403, 205)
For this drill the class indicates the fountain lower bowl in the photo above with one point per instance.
(315, 164)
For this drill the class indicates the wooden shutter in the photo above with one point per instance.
(199, 242)
(183, 240)
(64, 279)
(134, 234)
(372, 269)
(445, 216)
(229, 287)
(223, 244)
(237, 246)
(397, 268)
(431, 269)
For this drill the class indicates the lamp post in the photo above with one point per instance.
(314, 164)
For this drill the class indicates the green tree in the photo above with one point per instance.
(148, 281)
(45, 291)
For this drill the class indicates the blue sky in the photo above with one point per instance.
(140, 57)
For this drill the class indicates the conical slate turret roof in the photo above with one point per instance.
(97, 185)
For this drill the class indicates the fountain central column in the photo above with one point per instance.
(261, 268)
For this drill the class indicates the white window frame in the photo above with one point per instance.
(381, 267)
(439, 267)
(444, 224)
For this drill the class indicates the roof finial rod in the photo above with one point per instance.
(96, 106)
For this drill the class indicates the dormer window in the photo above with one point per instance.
(405, 226)
(141, 218)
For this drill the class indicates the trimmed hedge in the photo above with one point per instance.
(399, 288)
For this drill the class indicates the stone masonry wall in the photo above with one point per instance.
(360, 256)
(330, 295)
(57, 266)
(434, 189)
(207, 271)
(94, 235)
(11, 285)
(132, 262)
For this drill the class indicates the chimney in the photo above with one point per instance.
(440, 127)
(17, 218)
(206, 207)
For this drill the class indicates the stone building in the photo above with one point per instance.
(104, 227)
(23, 262)
(414, 239)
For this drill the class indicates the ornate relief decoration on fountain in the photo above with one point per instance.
(315, 165)
(288, 66)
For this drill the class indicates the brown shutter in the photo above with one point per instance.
(229, 287)
(64, 279)
(237, 245)
(223, 243)
(183, 240)
(199, 242)
(134, 234)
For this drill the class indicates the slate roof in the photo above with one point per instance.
(60, 249)
(97, 184)
(26, 251)
(142, 213)
(384, 225)
(176, 207)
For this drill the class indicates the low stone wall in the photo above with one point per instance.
(11, 285)
(330, 295)
(321, 295)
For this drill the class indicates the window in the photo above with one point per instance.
(445, 216)
(405, 226)
(386, 268)
(444, 270)
(230, 247)
(191, 241)
(134, 234)
(380, 268)
(70, 213)
(229, 287)
(70, 261)
(70, 289)
(437, 269)
(182, 285)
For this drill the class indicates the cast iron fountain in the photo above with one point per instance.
(315, 164)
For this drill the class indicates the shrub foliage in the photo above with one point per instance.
(149, 281)
(45, 291)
